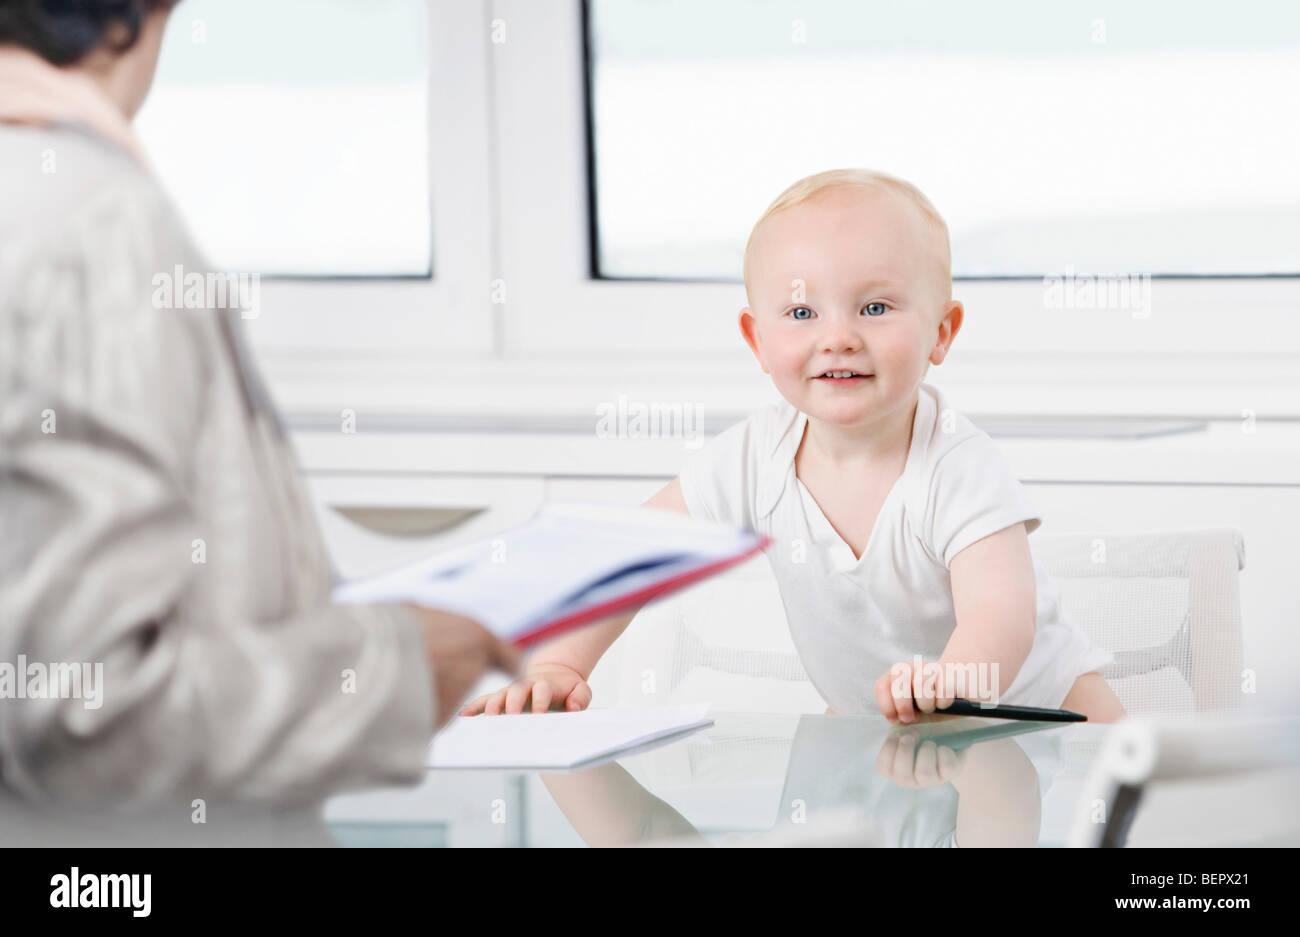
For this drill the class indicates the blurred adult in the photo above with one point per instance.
(151, 513)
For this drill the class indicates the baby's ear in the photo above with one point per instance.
(949, 326)
(749, 329)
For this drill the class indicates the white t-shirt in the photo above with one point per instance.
(851, 619)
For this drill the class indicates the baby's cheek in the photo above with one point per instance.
(788, 367)
(792, 387)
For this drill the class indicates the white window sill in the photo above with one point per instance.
(1226, 386)
(1222, 452)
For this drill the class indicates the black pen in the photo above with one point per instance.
(964, 707)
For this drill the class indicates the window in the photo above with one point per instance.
(315, 168)
(630, 293)
(484, 241)
(1099, 137)
(342, 147)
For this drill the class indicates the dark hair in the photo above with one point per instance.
(63, 32)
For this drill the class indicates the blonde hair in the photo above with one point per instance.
(863, 180)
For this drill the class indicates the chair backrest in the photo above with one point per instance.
(1167, 604)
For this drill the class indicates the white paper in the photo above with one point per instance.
(556, 741)
(568, 558)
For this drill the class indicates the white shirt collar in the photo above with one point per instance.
(778, 471)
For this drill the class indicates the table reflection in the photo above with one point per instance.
(945, 782)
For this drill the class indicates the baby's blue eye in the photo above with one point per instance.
(801, 312)
(876, 309)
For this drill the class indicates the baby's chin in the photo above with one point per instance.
(854, 410)
(842, 414)
(847, 407)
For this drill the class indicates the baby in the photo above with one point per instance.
(900, 534)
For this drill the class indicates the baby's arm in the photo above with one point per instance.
(998, 800)
(556, 672)
(608, 807)
(995, 600)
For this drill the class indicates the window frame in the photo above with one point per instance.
(512, 211)
(559, 307)
(445, 313)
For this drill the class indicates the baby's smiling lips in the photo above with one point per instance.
(843, 377)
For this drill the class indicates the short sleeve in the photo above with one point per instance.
(973, 493)
(719, 482)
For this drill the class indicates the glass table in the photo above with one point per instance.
(761, 779)
(777, 779)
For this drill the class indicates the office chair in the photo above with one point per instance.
(1166, 603)
(1151, 750)
(724, 642)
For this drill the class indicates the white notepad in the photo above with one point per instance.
(557, 741)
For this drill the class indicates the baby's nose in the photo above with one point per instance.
(840, 338)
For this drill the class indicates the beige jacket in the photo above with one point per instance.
(151, 520)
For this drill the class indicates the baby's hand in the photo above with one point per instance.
(909, 764)
(905, 691)
(547, 686)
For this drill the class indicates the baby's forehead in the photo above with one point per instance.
(843, 230)
(845, 212)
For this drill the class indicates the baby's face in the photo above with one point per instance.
(848, 281)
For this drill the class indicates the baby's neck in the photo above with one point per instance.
(882, 441)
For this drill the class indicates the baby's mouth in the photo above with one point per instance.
(843, 377)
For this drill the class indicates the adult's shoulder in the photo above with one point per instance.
(74, 203)
(86, 231)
